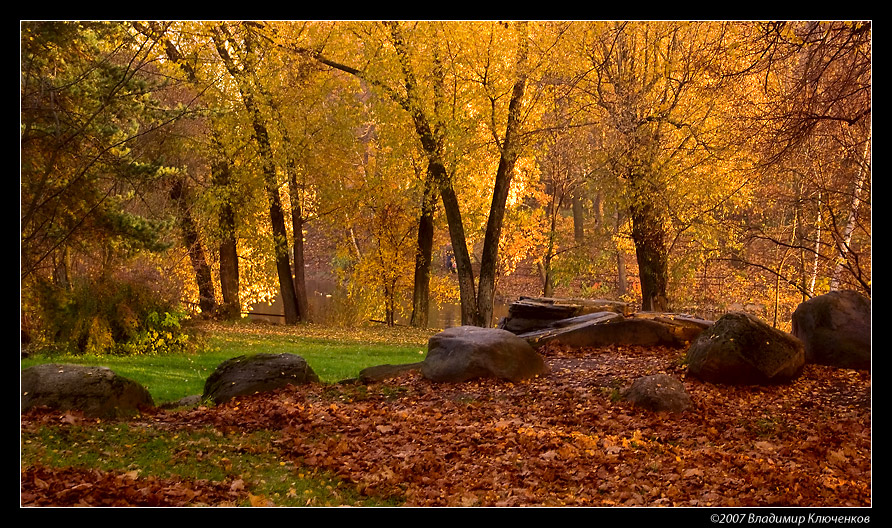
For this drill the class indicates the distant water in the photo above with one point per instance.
(319, 297)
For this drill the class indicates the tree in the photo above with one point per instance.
(251, 96)
(221, 176)
(93, 222)
(732, 157)
(405, 90)
(509, 147)
(561, 160)
(86, 102)
(655, 82)
(809, 105)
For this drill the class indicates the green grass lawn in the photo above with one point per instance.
(334, 354)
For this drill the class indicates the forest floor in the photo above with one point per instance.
(565, 439)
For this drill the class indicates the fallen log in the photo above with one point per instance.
(608, 328)
(528, 314)
(597, 322)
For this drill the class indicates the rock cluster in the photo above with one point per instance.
(738, 348)
(578, 323)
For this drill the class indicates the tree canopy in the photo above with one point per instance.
(683, 166)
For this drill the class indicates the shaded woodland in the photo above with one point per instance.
(189, 168)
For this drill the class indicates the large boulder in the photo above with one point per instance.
(256, 373)
(96, 391)
(463, 353)
(741, 349)
(835, 328)
(658, 392)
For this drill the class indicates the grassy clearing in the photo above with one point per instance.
(335, 354)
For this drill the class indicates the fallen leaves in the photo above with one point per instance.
(43, 486)
(557, 440)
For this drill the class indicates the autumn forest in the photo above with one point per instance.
(200, 168)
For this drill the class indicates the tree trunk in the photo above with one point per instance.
(545, 264)
(650, 247)
(463, 267)
(578, 219)
(423, 252)
(280, 238)
(545, 277)
(817, 250)
(297, 228)
(510, 152)
(206, 301)
(229, 276)
(276, 214)
(622, 286)
(844, 244)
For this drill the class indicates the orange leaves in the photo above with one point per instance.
(44, 486)
(562, 440)
(556, 440)
(258, 501)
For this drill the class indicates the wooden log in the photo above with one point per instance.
(529, 314)
(609, 328)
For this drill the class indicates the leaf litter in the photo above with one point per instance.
(564, 439)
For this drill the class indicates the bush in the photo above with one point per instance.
(110, 315)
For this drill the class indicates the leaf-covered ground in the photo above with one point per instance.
(565, 439)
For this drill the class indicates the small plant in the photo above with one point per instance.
(614, 390)
(765, 426)
(122, 315)
(162, 333)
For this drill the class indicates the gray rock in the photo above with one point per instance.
(256, 373)
(835, 329)
(463, 353)
(741, 349)
(658, 392)
(186, 401)
(383, 372)
(96, 391)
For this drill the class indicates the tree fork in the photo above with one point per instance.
(510, 153)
